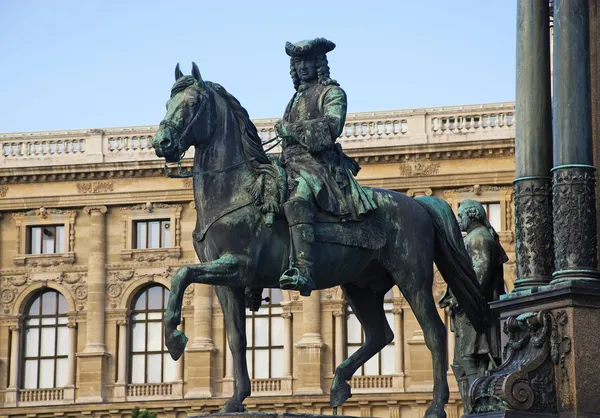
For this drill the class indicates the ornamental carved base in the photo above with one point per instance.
(533, 231)
(525, 381)
(574, 213)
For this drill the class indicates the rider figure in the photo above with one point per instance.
(321, 175)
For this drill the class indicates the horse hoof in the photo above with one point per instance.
(175, 342)
(340, 393)
(233, 406)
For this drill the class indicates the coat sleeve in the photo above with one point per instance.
(320, 134)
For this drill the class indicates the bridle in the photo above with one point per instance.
(181, 173)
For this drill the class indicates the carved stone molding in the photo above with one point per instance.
(421, 168)
(3, 190)
(574, 212)
(533, 231)
(13, 286)
(89, 209)
(476, 189)
(426, 191)
(118, 280)
(95, 187)
(525, 381)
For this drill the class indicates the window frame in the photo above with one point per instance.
(388, 300)
(147, 213)
(132, 321)
(161, 221)
(251, 348)
(29, 239)
(42, 217)
(23, 357)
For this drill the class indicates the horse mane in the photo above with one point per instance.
(251, 142)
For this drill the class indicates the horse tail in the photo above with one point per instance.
(454, 263)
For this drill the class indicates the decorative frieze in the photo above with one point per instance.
(95, 187)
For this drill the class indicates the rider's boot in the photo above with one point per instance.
(300, 215)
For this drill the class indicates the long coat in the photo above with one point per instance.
(315, 118)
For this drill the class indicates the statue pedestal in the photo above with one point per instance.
(551, 364)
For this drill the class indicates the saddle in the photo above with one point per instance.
(269, 193)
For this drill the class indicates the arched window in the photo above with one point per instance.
(150, 359)
(383, 362)
(46, 342)
(264, 335)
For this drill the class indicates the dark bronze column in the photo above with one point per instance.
(533, 147)
(574, 192)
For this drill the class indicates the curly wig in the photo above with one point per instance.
(322, 72)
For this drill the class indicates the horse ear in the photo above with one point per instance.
(178, 73)
(196, 73)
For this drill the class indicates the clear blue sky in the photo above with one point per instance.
(94, 64)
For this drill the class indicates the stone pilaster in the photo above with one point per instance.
(310, 347)
(533, 147)
(121, 383)
(201, 352)
(93, 360)
(340, 318)
(15, 359)
(287, 343)
(398, 312)
(72, 360)
(574, 188)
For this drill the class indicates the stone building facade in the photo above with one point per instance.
(91, 231)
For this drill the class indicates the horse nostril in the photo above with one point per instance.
(165, 143)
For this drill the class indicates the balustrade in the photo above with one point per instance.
(266, 385)
(149, 390)
(361, 130)
(41, 395)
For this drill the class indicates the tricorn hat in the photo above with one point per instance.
(318, 46)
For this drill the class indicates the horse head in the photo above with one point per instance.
(187, 121)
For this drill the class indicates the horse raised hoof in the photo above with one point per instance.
(340, 393)
(233, 406)
(175, 342)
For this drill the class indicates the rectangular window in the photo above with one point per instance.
(49, 239)
(152, 234)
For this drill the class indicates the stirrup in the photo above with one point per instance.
(309, 284)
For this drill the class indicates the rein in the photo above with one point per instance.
(182, 174)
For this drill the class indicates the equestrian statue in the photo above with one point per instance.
(301, 221)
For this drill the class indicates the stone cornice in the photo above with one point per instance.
(502, 148)
(403, 183)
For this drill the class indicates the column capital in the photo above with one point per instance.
(71, 324)
(397, 310)
(286, 315)
(89, 209)
(14, 327)
(339, 311)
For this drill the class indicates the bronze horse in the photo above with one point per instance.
(243, 241)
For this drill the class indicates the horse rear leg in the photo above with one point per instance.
(416, 288)
(367, 305)
(232, 301)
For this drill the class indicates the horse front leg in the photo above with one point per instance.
(227, 271)
(232, 301)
